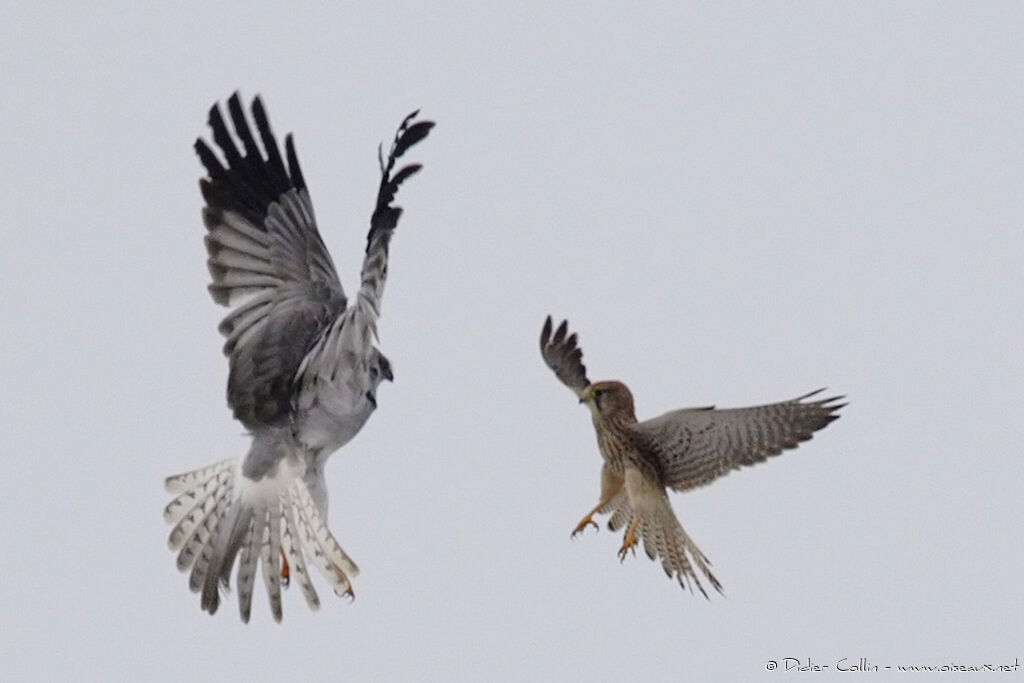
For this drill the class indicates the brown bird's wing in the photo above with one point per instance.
(563, 356)
(695, 446)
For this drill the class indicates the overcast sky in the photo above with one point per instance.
(731, 204)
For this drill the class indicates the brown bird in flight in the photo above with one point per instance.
(681, 450)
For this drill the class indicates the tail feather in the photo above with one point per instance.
(270, 559)
(326, 564)
(664, 538)
(234, 544)
(293, 550)
(209, 531)
(181, 483)
(191, 549)
(221, 550)
(206, 496)
(247, 557)
(619, 508)
(320, 535)
(653, 538)
(193, 488)
(655, 524)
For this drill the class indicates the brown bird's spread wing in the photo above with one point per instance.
(563, 356)
(695, 446)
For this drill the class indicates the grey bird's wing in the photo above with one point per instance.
(562, 354)
(341, 353)
(267, 261)
(695, 446)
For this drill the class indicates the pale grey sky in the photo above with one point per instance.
(731, 204)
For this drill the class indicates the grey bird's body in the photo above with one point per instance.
(304, 370)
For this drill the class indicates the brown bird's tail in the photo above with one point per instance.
(648, 517)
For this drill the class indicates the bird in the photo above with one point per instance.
(303, 365)
(680, 450)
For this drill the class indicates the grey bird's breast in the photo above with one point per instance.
(328, 425)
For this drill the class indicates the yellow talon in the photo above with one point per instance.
(629, 541)
(348, 592)
(582, 526)
(286, 574)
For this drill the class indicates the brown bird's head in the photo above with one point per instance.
(609, 400)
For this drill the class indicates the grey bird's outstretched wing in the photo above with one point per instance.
(695, 446)
(267, 260)
(350, 335)
(562, 354)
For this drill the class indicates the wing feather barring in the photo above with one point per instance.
(303, 367)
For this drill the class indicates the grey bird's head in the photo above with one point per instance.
(380, 368)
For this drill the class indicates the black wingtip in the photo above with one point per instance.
(235, 100)
(208, 159)
(405, 137)
(245, 178)
(294, 170)
(213, 113)
(385, 216)
(411, 136)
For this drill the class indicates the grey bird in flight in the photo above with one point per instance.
(680, 450)
(304, 369)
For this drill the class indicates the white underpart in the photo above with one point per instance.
(334, 378)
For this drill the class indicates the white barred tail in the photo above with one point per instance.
(212, 525)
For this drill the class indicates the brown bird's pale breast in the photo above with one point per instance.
(621, 448)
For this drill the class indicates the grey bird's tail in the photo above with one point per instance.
(219, 515)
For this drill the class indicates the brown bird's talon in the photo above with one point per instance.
(624, 551)
(582, 526)
(629, 542)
